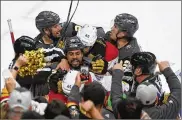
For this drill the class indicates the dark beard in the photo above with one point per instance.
(55, 39)
(75, 67)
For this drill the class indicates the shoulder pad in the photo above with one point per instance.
(101, 41)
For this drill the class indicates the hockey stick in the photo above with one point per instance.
(67, 22)
(11, 31)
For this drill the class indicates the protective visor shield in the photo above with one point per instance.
(111, 23)
(61, 22)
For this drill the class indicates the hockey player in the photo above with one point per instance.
(96, 49)
(122, 33)
(122, 36)
(74, 52)
(48, 23)
(61, 84)
(143, 67)
(147, 93)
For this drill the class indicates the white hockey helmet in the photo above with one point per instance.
(87, 35)
(69, 81)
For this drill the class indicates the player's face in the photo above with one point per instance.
(74, 58)
(56, 30)
(114, 32)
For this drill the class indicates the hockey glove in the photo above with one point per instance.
(128, 75)
(99, 66)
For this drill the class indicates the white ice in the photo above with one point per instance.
(159, 23)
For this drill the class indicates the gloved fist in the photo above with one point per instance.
(98, 66)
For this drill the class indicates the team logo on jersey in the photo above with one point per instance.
(99, 77)
(128, 46)
(61, 44)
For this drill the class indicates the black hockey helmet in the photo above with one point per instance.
(46, 19)
(73, 43)
(24, 43)
(145, 60)
(127, 22)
